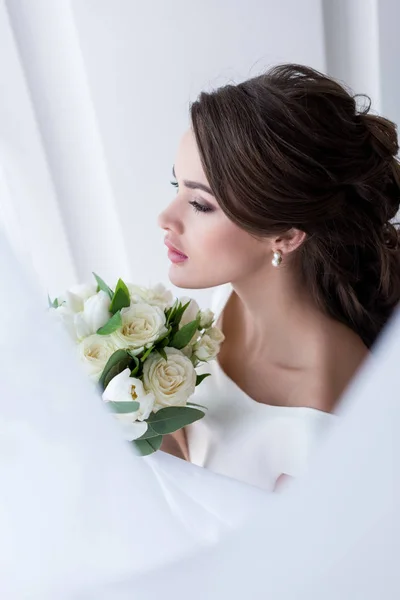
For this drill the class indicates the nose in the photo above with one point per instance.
(162, 220)
(170, 220)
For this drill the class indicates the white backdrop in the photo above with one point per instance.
(107, 85)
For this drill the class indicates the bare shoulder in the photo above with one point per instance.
(341, 353)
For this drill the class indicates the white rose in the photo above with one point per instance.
(94, 352)
(142, 325)
(207, 348)
(155, 296)
(206, 318)
(172, 381)
(124, 388)
(192, 311)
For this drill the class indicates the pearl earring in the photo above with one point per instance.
(277, 258)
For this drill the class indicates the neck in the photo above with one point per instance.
(275, 306)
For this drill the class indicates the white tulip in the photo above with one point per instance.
(94, 352)
(95, 314)
(82, 318)
(124, 388)
(66, 317)
(157, 295)
(75, 297)
(207, 348)
(171, 381)
(142, 325)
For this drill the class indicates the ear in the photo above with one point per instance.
(289, 241)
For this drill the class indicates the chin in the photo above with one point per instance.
(181, 278)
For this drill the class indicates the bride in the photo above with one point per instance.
(285, 193)
(78, 510)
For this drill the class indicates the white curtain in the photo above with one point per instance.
(94, 95)
(57, 204)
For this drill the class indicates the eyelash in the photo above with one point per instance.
(198, 208)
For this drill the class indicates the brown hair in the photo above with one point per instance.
(290, 149)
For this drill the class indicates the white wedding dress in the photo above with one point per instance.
(245, 439)
(83, 518)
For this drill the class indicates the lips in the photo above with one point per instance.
(175, 255)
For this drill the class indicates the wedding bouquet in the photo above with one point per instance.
(142, 347)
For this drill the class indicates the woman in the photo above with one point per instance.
(286, 192)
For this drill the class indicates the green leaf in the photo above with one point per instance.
(163, 343)
(121, 298)
(149, 446)
(201, 378)
(54, 303)
(179, 313)
(168, 420)
(150, 433)
(164, 336)
(168, 314)
(162, 353)
(123, 408)
(112, 325)
(194, 360)
(184, 335)
(103, 286)
(117, 363)
(146, 354)
(174, 314)
(135, 370)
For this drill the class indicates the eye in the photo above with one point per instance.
(175, 184)
(204, 208)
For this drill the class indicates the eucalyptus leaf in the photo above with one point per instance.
(149, 446)
(112, 325)
(123, 408)
(103, 286)
(150, 433)
(173, 418)
(117, 363)
(121, 298)
(184, 335)
(201, 378)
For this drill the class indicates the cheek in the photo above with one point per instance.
(219, 251)
(232, 248)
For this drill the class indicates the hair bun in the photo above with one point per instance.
(383, 134)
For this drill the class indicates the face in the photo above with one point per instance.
(204, 246)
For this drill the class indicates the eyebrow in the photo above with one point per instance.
(195, 185)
